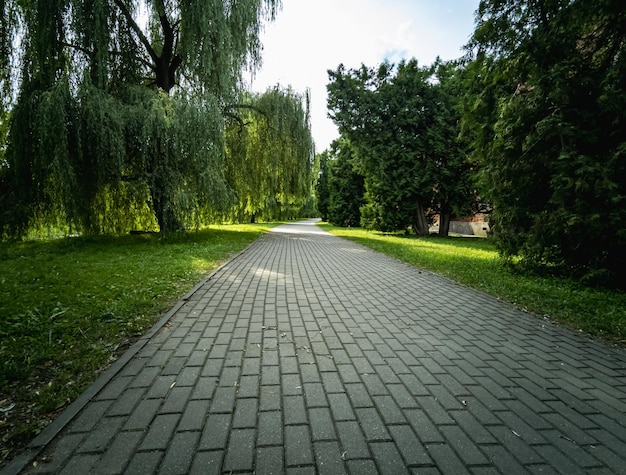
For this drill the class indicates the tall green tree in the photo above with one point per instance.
(403, 124)
(346, 186)
(322, 190)
(270, 154)
(118, 108)
(548, 112)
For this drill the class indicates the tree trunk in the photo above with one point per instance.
(163, 209)
(444, 221)
(420, 225)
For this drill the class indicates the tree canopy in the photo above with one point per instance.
(547, 114)
(270, 155)
(118, 108)
(340, 189)
(403, 123)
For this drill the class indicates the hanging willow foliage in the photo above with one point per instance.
(117, 109)
(270, 154)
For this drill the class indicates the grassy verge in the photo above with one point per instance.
(69, 307)
(474, 262)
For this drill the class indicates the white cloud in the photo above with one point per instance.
(311, 36)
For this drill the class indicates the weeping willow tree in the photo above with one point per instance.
(270, 154)
(118, 109)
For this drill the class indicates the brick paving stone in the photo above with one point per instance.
(270, 376)
(309, 354)
(519, 426)
(472, 427)
(332, 382)
(426, 431)
(321, 422)
(269, 460)
(504, 460)
(289, 365)
(314, 395)
(372, 425)
(245, 413)
(463, 445)
(412, 450)
(80, 464)
(328, 458)
(388, 458)
(240, 451)
(270, 399)
(119, 453)
(582, 456)
(616, 426)
(248, 386)
(176, 400)
(180, 453)
(291, 384)
(145, 378)
(160, 432)
(359, 397)
(224, 400)
(99, 438)
(569, 430)
(63, 450)
(352, 439)
(143, 463)
(90, 416)
(514, 443)
(295, 410)
(362, 467)
(161, 387)
(194, 417)
(215, 433)
(270, 428)
(341, 407)
(389, 410)
(207, 463)
(298, 448)
(446, 460)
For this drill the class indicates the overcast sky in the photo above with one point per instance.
(311, 36)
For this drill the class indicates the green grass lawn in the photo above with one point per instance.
(474, 262)
(69, 307)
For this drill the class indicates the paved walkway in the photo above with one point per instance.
(310, 354)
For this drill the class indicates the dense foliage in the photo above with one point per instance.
(270, 155)
(547, 115)
(403, 124)
(340, 189)
(118, 109)
(322, 190)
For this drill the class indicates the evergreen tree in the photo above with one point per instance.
(346, 187)
(548, 115)
(403, 123)
(322, 190)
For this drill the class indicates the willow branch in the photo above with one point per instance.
(246, 106)
(135, 27)
(89, 53)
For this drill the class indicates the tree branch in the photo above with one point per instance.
(237, 119)
(112, 52)
(245, 106)
(135, 27)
